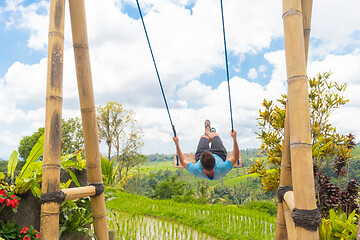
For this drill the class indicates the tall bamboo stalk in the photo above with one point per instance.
(299, 116)
(49, 226)
(306, 6)
(285, 180)
(88, 113)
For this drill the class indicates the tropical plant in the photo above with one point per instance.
(9, 230)
(75, 216)
(324, 98)
(339, 226)
(31, 173)
(109, 170)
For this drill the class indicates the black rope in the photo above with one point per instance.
(157, 73)
(99, 188)
(227, 65)
(308, 219)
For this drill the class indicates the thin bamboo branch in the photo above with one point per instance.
(88, 114)
(79, 192)
(49, 224)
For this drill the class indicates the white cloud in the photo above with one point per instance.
(252, 74)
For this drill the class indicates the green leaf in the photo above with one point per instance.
(35, 154)
(13, 161)
(73, 177)
(65, 185)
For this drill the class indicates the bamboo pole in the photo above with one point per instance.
(300, 137)
(88, 113)
(49, 224)
(79, 192)
(290, 226)
(289, 205)
(306, 6)
(285, 180)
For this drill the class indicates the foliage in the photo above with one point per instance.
(169, 189)
(73, 160)
(109, 170)
(222, 222)
(28, 142)
(332, 197)
(263, 206)
(3, 165)
(72, 139)
(118, 128)
(324, 98)
(9, 230)
(13, 160)
(72, 135)
(28, 233)
(75, 216)
(338, 226)
(31, 173)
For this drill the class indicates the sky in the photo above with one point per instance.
(187, 41)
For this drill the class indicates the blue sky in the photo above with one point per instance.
(187, 40)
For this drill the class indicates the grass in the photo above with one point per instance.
(225, 222)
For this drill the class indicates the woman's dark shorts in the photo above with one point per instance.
(217, 147)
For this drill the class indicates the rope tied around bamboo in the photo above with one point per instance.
(99, 188)
(281, 192)
(307, 219)
(56, 197)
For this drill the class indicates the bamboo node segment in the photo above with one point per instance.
(99, 216)
(287, 166)
(280, 224)
(44, 214)
(53, 166)
(307, 219)
(57, 197)
(91, 109)
(94, 165)
(282, 190)
(54, 97)
(291, 12)
(300, 145)
(57, 34)
(99, 188)
(83, 46)
(295, 78)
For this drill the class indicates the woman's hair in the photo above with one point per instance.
(207, 160)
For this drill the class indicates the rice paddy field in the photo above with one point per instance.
(137, 217)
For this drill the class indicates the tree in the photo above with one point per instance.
(118, 128)
(324, 98)
(28, 142)
(72, 139)
(72, 135)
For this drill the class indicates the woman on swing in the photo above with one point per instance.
(213, 164)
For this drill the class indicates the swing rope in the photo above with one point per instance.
(227, 65)
(227, 68)
(157, 72)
